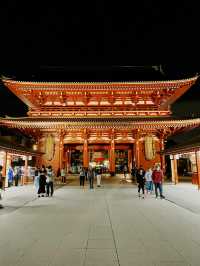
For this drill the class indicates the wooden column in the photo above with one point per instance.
(175, 170)
(67, 160)
(69, 156)
(5, 158)
(25, 177)
(197, 155)
(61, 146)
(162, 157)
(112, 153)
(137, 150)
(85, 150)
(129, 160)
(172, 168)
(4, 163)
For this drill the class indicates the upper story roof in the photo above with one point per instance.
(94, 73)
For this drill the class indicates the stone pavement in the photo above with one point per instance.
(108, 226)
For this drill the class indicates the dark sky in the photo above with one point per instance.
(101, 33)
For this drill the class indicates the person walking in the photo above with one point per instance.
(149, 182)
(42, 182)
(98, 175)
(63, 175)
(36, 178)
(18, 175)
(141, 180)
(82, 177)
(157, 177)
(90, 174)
(10, 176)
(125, 171)
(50, 181)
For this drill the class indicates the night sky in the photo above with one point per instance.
(115, 39)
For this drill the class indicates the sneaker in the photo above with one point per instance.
(143, 197)
(162, 197)
(139, 195)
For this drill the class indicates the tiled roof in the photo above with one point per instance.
(11, 147)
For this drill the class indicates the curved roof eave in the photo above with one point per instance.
(11, 81)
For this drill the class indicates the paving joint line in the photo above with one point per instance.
(112, 228)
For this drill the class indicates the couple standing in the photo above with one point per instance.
(90, 175)
(44, 181)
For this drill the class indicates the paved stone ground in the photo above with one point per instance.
(108, 226)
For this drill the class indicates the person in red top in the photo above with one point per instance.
(157, 177)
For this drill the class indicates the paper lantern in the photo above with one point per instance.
(49, 147)
(149, 144)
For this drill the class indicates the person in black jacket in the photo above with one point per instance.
(141, 180)
(82, 177)
(42, 182)
(90, 174)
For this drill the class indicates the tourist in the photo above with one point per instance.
(82, 177)
(125, 170)
(157, 177)
(42, 182)
(141, 180)
(90, 174)
(86, 173)
(63, 175)
(50, 181)
(10, 176)
(18, 175)
(36, 178)
(2, 179)
(149, 182)
(134, 173)
(98, 175)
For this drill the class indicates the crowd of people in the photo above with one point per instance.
(149, 180)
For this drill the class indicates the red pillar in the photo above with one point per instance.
(112, 153)
(85, 150)
(175, 170)
(162, 157)
(5, 160)
(25, 177)
(4, 164)
(61, 151)
(137, 150)
(197, 155)
(85, 153)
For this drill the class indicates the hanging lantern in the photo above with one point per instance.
(49, 147)
(149, 144)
